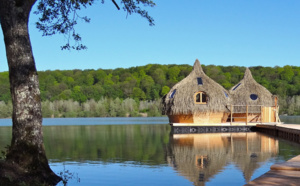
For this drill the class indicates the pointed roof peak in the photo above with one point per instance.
(248, 74)
(197, 62)
(197, 65)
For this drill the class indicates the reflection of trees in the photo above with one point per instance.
(138, 143)
(199, 157)
(115, 143)
(5, 138)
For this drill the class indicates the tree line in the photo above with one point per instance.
(122, 91)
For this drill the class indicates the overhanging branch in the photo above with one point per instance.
(116, 4)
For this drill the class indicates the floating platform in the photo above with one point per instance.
(191, 128)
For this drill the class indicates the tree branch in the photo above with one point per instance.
(116, 4)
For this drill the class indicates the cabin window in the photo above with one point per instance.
(173, 93)
(226, 94)
(200, 98)
(254, 96)
(236, 86)
(199, 80)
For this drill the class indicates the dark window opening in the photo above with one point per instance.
(199, 80)
(254, 96)
(226, 94)
(200, 98)
(173, 93)
(203, 98)
(236, 86)
(202, 161)
(201, 177)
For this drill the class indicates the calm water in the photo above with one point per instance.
(141, 151)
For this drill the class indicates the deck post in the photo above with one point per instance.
(275, 114)
(261, 114)
(231, 144)
(231, 114)
(247, 114)
(247, 142)
(277, 119)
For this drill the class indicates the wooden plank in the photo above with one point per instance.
(287, 173)
(292, 164)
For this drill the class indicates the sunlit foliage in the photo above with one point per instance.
(145, 83)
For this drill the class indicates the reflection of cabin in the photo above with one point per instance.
(198, 99)
(200, 157)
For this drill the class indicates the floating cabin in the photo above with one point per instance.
(252, 103)
(197, 100)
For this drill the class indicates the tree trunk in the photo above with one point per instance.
(27, 149)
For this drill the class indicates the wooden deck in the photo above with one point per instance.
(287, 173)
(215, 124)
(287, 131)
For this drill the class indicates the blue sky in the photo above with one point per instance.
(219, 32)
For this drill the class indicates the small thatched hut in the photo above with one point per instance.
(196, 99)
(252, 102)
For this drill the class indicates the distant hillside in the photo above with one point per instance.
(152, 81)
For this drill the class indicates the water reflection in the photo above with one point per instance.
(199, 157)
(139, 144)
(149, 155)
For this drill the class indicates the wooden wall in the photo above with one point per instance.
(215, 117)
(242, 117)
(268, 114)
(181, 118)
(205, 118)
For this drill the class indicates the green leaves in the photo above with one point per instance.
(150, 82)
(287, 74)
(165, 90)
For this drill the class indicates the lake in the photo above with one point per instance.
(141, 151)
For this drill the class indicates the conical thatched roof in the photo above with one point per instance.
(249, 92)
(180, 99)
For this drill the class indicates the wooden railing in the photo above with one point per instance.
(245, 109)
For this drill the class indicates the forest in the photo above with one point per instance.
(136, 91)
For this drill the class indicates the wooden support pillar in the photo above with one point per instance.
(276, 114)
(261, 114)
(247, 115)
(232, 145)
(247, 142)
(231, 114)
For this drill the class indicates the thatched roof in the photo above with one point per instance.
(182, 101)
(249, 92)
